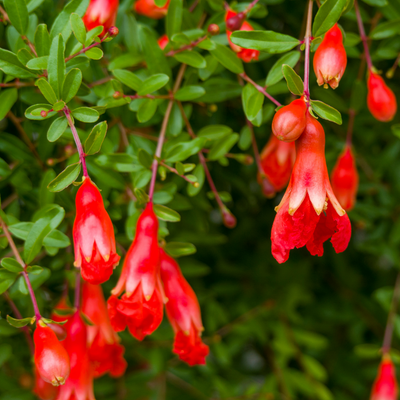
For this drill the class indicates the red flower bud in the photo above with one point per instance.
(150, 10)
(381, 100)
(344, 179)
(183, 312)
(228, 218)
(163, 42)
(213, 29)
(234, 21)
(385, 385)
(113, 31)
(44, 390)
(43, 113)
(141, 307)
(51, 359)
(330, 59)
(101, 13)
(93, 233)
(289, 121)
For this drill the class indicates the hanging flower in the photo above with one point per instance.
(330, 59)
(309, 213)
(93, 233)
(141, 307)
(43, 389)
(101, 13)
(104, 349)
(344, 179)
(385, 385)
(150, 10)
(183, 312)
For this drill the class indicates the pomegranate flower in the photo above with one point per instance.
(44, 390)
(330, 59)
(150, 10)
(309, 213)
(141, 307)
(51, 359)
(183, 312)
(104, 349)
(344, 179)
(277, 159)
(385, 385)
(101, 13)
(247, 55)
(381, 100)
(93, 233)
(163, 42)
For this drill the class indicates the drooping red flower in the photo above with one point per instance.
(93, 233)
(51, 360)
(330, 59)
(277, 159)
(163, 42)
(381, 100)
(141, 307)
(183, 312)
(289, 121)
(101, 13)
(247, 55)
(385, 385)
(344, 179)
(105, 352)
(309, 213)
(149, 9)
(79, 385)
(44, 390)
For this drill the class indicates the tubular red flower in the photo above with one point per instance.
(309, 213)
(104, 349)
(93, 233)
(330, 59)
(381, 100)
(183, 312)
(163, 42)
(44, 390)
(277, 159)
(344, 179)
(101, 13)
(51, 359)
(247, 55)
(385, 385)
(141, 307)
(79, 385)
(289, 121)
(150, 10)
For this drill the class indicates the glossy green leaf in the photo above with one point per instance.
(95, 139)
(8, 98)
(56, 65)
(386, 30)
(327, 16)
(38, 63)
(20, 323)
(254, 105)
(275, 73)
(326, 112)
(191, 58)
(18, 14)
(42, 41)
(214, 132)
(128, 78)
(178, 249)
(47, 90)
(145, 158)
(11, 265)
(294, 82)
(10, 64)
(185, 149)
(57, 128)
(174, 17)
(227, 58)
(33, 112)
(85, 114)
(166, 214)
(65, 178)
(222, 146)
(78, 27)
(188, 93)
(71, 84)
(153, 83)
(146, 110)
(94, 53)
(376, 3)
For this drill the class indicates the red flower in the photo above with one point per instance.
(163, 42)
(344, 179)
(309, 213)
(79, 385)
(381, 100)
(104, 349)
(330, 59)
(246, 55)
(44, 390)
(101, 12)
(277, 159)
(385, 385)
(149, 9)
(51, 359)
(183, 312)
(289, 121)
(141, 307)
(93, 234)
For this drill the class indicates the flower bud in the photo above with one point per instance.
(213, 29)
(44, 390)
(43, 113)
(113, 31)
(117, 95)
(330, 59)
(289, 121)
(385, 385)
(381, 100)
(150, 10)
(228, 218)
(234, 21)
(101, 13)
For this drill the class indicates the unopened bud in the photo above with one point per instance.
(43, 113)
(213, 29)
(245, 159)
(69, 149)
(50, 162)
(196, 184)
(113, 31)
(235, 23)
(267, 189)
(228, 218)
(117, 95)
(59, 330)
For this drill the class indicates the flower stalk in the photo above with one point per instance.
(363, 35)
(307, 41)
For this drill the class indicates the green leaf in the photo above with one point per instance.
(18, 14)
(160, 3)
(207, 45)
(153, 83)
(95, 139)
(128, 78)
(214, 132)
(56, 65)
(141, 195)
(145, 158)
(386, 30)
(85, 114)
(222, 146)
(178, 249)
(24, 56)
(146, 110)
(188, 93)
(184, 150)
(227, 58)
(42, 41)
(268, 41)
(254, 105)
(65, 178)
(7, 100)
(71, 85)
(326, 112)
(327, 16)
(294, 82)
(174, 17)
(78, 27)
(33, 5)
(166, 214)
(376, 3)
(94, 53)
(38, 63)
(6, 280)
(10, 64)
(47, 90)
(56, 239)
(57, 128)
(11, 265)
(20, 323)
(191, 58)
(249, 95)
(33, 112)
(275, 73)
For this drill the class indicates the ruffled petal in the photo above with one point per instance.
(117, 319)
(190, 348)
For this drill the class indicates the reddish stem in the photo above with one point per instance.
(186, 47)
(307, 41)
(85, 49)
(363, 35)
(259, 88)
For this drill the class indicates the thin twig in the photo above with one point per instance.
(363, 35)
(307, 40)
(260, 89)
